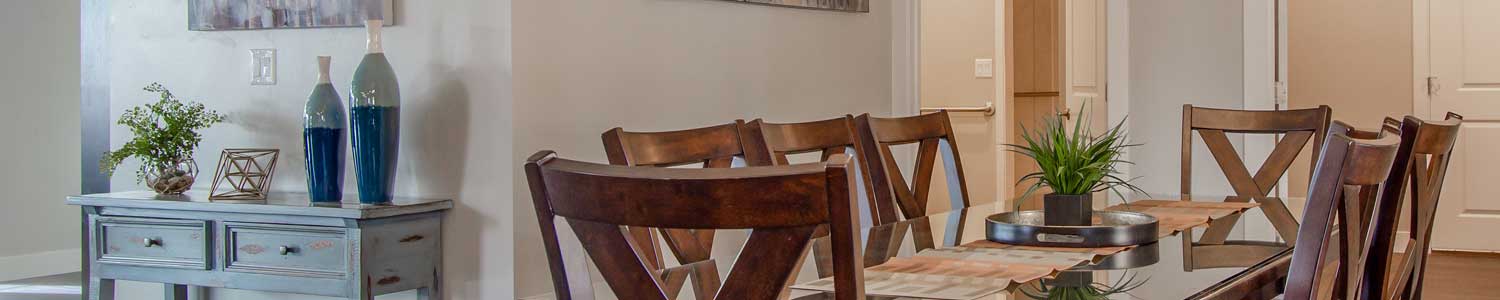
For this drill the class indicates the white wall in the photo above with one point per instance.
(583, 67)
(453, 59)
(1181, 51)
(39, 126)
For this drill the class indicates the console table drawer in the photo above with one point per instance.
(153, 242)
(305, 251)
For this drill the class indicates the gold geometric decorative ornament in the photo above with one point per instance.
(246, 172)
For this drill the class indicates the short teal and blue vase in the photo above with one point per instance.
(323, 139)
(375, 116)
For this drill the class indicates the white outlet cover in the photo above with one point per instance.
(263, 66)
(984, 68)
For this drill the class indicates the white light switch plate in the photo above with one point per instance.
(984, 68)
(263, 66)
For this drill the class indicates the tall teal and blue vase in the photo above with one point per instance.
(323, 139)
(375, 116)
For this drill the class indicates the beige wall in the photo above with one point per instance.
(1356, 60)
(39, 126)
(954, 34)
(583, 67)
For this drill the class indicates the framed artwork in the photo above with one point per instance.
(214, 15)
(836, 5)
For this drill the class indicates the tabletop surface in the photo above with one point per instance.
(1164, 279)
(297, 204)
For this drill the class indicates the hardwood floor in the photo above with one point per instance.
(1462, 275)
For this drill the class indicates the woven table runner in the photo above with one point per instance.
(982, 268)
(1176, 215)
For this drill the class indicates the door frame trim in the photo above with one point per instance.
(906, 57)
(1259, 38)
(1420, 55)
(1005, 101)
(1117, 62)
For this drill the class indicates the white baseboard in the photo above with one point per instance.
(40, 264)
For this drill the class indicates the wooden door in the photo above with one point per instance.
(954, 36)
(1038, 81)
(1464, 59)
(1060, 50)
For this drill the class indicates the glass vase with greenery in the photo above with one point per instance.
(1074, 164)
(166, 133)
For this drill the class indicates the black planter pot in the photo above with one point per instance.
(1068, 210)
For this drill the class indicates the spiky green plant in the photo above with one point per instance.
(166, 132)
(1046, 290)
(1075, 162)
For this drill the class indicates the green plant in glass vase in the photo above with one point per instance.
(1074, 163)
(166, 133)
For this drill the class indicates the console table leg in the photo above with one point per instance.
(101, 289)
(184, 292)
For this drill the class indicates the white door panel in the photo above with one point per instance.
(1465, 59)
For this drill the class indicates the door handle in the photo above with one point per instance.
(1067, 114)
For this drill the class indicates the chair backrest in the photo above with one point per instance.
(713, 146)
(828, 137)
(1422, 160)
(782, 206)
(1297, 127)
(1345, 170)
(933, 133)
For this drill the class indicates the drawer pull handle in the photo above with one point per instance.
(150, 242)
(388, 280)
(288, 250)
(413, 238)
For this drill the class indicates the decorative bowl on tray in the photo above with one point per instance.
(1111, 228)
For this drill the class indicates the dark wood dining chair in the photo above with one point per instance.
(1422, 160)
(1345, 170)
(1297, 128)
(829, 138)
(933, 133)
(711, 147)
(781, 205)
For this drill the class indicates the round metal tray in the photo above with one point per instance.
(1115, 228)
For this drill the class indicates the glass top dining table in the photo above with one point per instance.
(1250, 265)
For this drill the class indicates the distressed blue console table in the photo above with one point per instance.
(284, 244)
